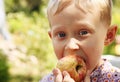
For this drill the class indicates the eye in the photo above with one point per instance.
(83, 32)
(61, 34)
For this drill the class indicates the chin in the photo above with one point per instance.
(74, 65)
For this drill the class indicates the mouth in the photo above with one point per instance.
(82, 57)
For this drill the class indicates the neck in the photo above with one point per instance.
(99, 64)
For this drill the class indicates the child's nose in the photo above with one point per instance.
(72, 45)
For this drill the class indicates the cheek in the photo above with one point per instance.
(94, 46)
(93, 51)
(58, 49)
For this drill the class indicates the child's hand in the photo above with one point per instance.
(62, 77)
(65, 77)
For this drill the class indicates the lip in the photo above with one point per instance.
(82, 57)
(72, 53)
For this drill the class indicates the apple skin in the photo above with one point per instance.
(74, 65)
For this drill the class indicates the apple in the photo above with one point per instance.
(74, 65)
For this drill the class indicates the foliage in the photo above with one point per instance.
(30, 32)
(4, 68)
(116, 3)
(30, 35)
(115, 21)
(24, 5)
(116, 18)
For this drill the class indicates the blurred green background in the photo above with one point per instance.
(33, 55)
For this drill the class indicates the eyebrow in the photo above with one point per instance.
(58, 27)
(86, 25)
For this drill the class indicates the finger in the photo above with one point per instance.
(87, 77)
(67, 77)
(58, 75)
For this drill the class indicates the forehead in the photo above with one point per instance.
(56, 6)
(71, 15)
(103, 7)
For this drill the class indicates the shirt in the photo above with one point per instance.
(104, 73)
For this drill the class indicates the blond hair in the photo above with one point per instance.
(105, 7)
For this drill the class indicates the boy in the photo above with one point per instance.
(82, 27)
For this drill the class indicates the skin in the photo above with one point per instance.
(80, 33)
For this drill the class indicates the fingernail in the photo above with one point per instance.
(55, 71)
(65, 73)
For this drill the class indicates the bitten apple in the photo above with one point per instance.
(74, 65)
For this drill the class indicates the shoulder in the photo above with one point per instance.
(106, 72)
(48, 78)
(110, 73)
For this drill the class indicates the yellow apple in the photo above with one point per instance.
(74, 65)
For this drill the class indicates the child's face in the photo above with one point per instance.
(73, 31)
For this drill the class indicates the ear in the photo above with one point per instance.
(49, 33)
(110, 35)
